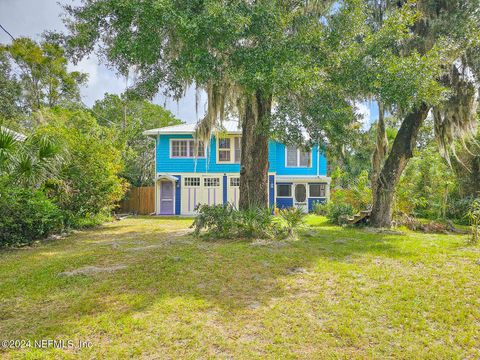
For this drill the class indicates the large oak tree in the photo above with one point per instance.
(243, 53)
(450, 28)
(413, 58)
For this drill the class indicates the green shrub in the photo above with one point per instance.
(26, 215)
(293, 218)
(338, 211)
(88, 184)
(219, 220)
(474, 217)
(320, 208)
(256, 222)
(86, 221)
(359, 196)
(457, 208)
(224, 221)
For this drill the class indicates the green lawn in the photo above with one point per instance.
(334, 293)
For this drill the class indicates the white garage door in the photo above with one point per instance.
(212, 190)
(200, 190)
(233, 192)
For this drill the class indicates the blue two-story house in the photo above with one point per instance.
(185, 178)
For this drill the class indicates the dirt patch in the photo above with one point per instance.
(92, 270)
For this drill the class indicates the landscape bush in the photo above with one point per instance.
(65, 174)
(257, 223)
(458, 208)
(88, 184)
(26, 215)
(293, 219)
(320, 208)
(219, 220)
(473, 216)
(337, 212)
(358, 195)
(224, 221)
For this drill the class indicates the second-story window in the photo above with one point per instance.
(229, 150)
(185, 148)
(296, 157)
(224, 153)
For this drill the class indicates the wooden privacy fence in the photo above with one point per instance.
(139, 200)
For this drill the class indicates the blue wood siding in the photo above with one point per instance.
(317, 158)
(283, 203)
(167, 165)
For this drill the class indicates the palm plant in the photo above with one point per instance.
(30, 163)
(293, 218)
(8, 144)
(39, 160)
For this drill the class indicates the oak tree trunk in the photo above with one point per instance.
(254, 159)
(381, 149)
(402, 151)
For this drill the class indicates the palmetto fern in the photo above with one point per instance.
(29, 163)
(8, 143)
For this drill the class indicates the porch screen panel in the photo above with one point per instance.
(317, 190)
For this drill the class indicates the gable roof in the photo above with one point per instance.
(228, 126)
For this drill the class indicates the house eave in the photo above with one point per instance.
(154, 133)
(302, 178)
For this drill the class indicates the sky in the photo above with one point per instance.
(32, 17)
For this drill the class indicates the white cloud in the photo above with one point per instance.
(89, 66)
(363, 111)
(32, 17)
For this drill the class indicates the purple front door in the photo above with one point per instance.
(166, 198)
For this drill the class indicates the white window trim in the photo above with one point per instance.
(317, 197)
(219, 182)
(298, 160)
(284, 197)
(230, 181)
(188, 150)
(192, 177)
(232, 149)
